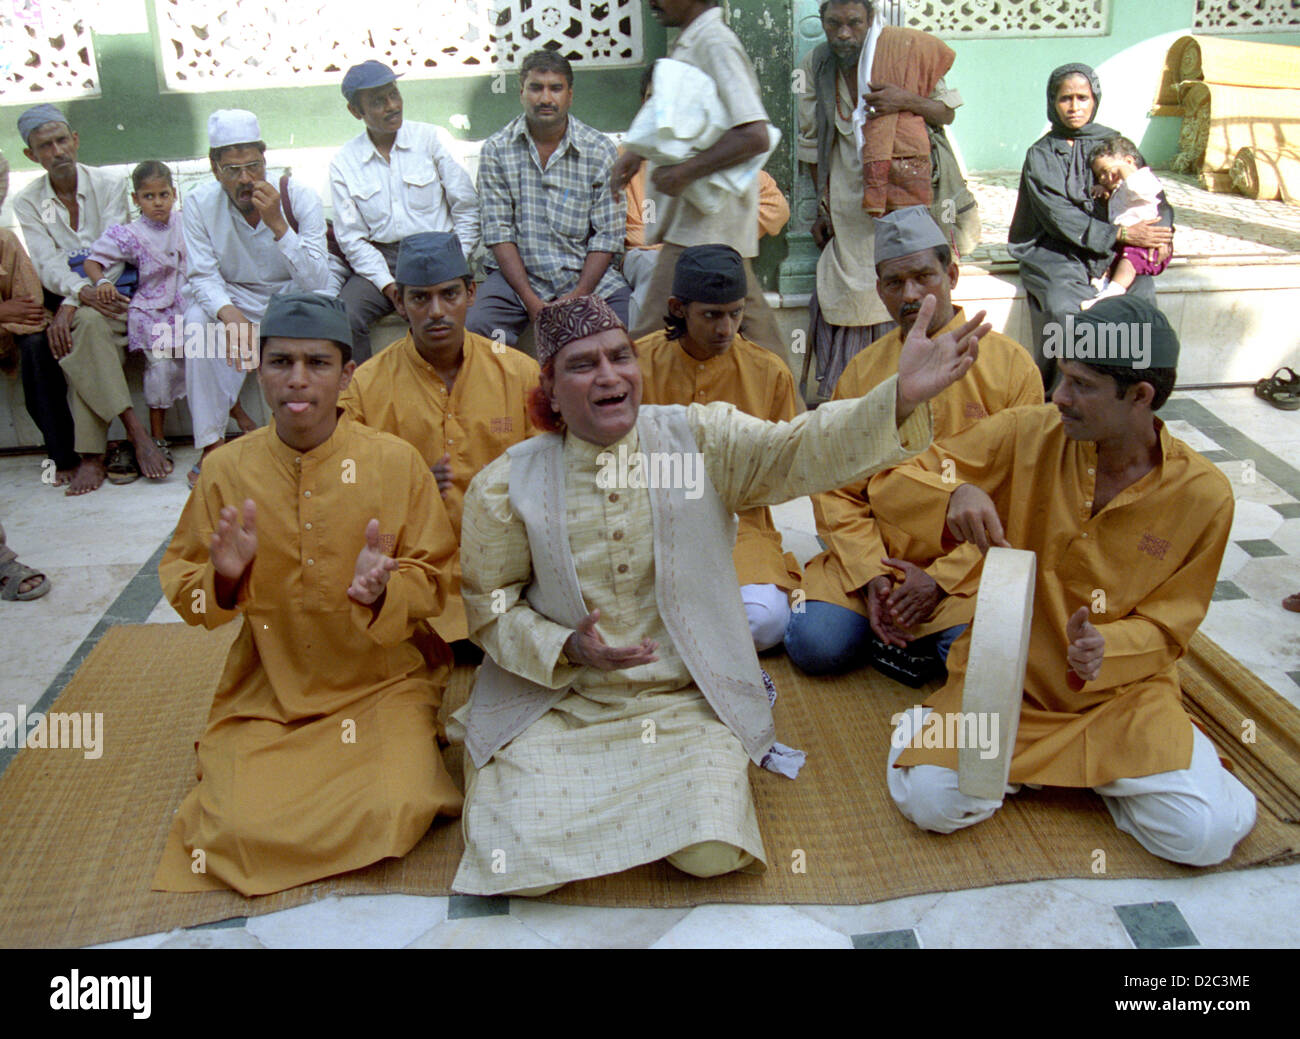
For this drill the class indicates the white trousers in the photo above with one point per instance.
(1194, 815)
(212, 387)
(768, 608)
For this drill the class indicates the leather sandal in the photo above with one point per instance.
(120, 463)
(1281, 392)
(12, 576)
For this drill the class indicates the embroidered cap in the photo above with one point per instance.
(566, 320)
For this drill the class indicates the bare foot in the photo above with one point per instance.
(89, 475)
(151, 461)
(242, 418)
(63, 476)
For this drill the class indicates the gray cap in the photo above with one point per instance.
(430, 258)
(366, 75)
(36, 117)
(306, 315)
(906, 231)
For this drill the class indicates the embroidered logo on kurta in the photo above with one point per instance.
(387, 542)
(1153, 546)
(975, 410)
(503, 425)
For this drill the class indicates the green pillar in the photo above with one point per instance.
(764, 31)
(798, 271)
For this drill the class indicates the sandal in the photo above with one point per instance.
(1281, 392)
(192, 477)
(120, 463)
(12, 576)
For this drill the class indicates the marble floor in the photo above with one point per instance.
(101, 552)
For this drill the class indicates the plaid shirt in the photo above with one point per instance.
(555, 216)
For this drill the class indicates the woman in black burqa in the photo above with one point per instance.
(1060, 234)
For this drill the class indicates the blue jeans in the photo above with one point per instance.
(826, 639)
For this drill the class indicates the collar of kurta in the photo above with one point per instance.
(468, 349)
(584, 453)
(287, 455)
(701, 23)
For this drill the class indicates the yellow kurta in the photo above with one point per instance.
(1148, 560)
(583, 791)
(1005, 376)
(485, 412)
(320, 753)
(760, 384)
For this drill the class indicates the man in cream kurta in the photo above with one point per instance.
(320, 753)
(458, 398)
(1129, 526)
(562, 780)
(834, 633)
(702, 357)
(847, 314)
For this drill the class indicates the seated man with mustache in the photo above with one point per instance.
(458, 398)
(620, 702)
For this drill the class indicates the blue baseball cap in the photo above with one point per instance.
(366, 75)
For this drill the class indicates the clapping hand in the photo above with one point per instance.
(373, 569)
(1087, 646)
(233, 546)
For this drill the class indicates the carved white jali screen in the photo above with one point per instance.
(1225, 16)
(973, 19)
(46, 53)
(219, 44)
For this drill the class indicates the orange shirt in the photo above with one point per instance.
(760, 384)
(1145, 565)
(1005, 376)
(485, 412)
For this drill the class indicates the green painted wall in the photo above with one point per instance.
(135, 118)
(1005, 81)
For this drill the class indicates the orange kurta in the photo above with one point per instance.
(1145, 565)
(1004, 377)
(320, 753)
(760, 384)
(485, 412)
(18, 278)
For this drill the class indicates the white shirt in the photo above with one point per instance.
(420, 187)
(1136, 199)
(229, 262)
(101, 203)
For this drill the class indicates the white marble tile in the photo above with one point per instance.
(164, 613)
(1191, 436)
(750, 927)
(212, 938)
(145, 941)
(897, 915)
(1253, 520)
(1261, 635)
(584, 927)
(485, 932)
(1234, 558)
(1255, 418)
(796, 514)
(1287, 537)
(356, 922)
(1250, 485)
(1253, 908)
(1040, 915)
(1269, 580)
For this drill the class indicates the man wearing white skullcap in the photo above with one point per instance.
(244, 243)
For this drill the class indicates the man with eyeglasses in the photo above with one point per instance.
(242, 250)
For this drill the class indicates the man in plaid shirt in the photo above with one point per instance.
(548, 215)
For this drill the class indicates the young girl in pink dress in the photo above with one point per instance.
(156, 246)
